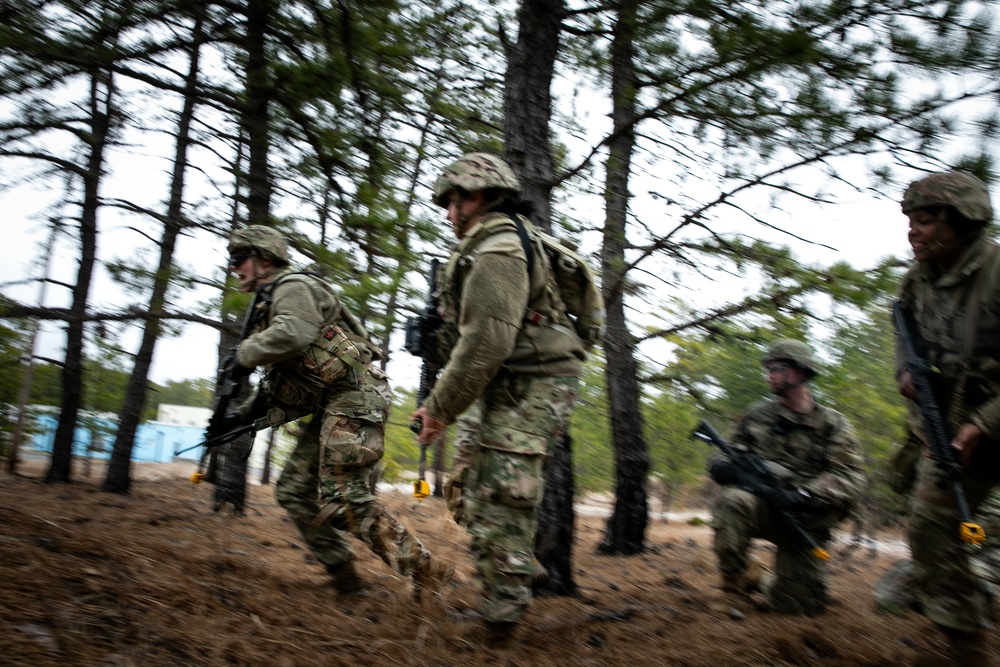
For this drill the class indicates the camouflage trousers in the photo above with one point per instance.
(325, 488)
(498, 481)
(800, 579)
(949, 592)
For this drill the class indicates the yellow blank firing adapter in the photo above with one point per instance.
(197, 477)
(972, 533)
(421, 489)
(821, 553)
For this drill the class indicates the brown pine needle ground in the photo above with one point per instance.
(156, 578)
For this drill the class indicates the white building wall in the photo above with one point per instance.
(183, 415)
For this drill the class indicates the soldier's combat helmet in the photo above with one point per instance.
(473, 172)
(788, 349)
(268, 242)
(963, 191)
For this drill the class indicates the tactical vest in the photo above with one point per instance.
(543, 309)
(960, 322)
(338, 361)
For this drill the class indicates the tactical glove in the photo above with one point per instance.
(724, 473)
(237, 372)
(222, 425)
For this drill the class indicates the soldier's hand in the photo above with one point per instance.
(724, 473)
(906, 387)
(238, 372)
(430, 429)
(222, 425)
(966, 441)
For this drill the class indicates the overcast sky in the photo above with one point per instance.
(860, 231)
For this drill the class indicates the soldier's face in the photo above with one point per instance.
(244, 267)
(463, 213)
(929, 235)
(782, 376)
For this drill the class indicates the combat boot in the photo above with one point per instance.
(345, 579)
(431, 577)
(500, 634)
(968, 649)
(539, 575)
(734, 602)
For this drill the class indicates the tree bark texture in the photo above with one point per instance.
(528, 102)
(554, 543)
(626, 529)
(256, 122)
(231, 479)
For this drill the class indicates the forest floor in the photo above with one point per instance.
(157, 578)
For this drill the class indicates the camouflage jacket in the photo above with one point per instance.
(314, 352)
(817, 451)
(485, 293)
(966, 391)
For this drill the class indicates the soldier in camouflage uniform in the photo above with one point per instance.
(953, 292)
(318, 364)
(509, 350)
(814, 454)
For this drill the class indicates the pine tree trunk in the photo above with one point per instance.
(626, 529)
(256, 118)
(265, 474)
(556, 521)
(118, 479)
(231, 480)
(102, 100)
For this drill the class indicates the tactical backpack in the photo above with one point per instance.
(572, 286)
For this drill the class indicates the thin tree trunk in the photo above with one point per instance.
(625, 532)
(255, 116)
(554, 539)
(232, 472)
(102, 94)
(265, 474)
(440, 456)
(118, 479)
(27, 377)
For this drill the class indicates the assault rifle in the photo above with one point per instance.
(227, 388)
(420, 342)
(754, 477)
(936, 426)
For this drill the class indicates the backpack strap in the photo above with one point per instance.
(529, 252)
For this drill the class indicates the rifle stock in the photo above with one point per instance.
(754, 477)
(937, 428)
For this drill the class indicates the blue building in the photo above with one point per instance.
(155, 441)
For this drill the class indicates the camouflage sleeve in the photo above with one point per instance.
(493, 300)
(295, 321)
(987, 418)
(841, 483)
